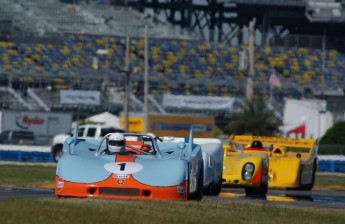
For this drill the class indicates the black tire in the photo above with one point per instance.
(257, 191)
(214, 189)
(217, 188)
(261, 190)
(251, 191)
(197, 196)
(310, 186)
(57, 153)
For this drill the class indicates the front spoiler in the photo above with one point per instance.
(121, 188)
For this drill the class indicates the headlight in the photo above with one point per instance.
(247, 176)
(249, 167)
(248, 171)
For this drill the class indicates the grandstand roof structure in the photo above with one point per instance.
(42, 17)
(221, 20)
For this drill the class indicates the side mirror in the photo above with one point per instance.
(181, 145)
(69, 140)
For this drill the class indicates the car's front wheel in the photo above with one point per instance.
(257, 191)
(199, 193)
(262, 189)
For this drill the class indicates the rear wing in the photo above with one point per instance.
(309, 145)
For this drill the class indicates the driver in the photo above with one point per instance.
(256, 144)
(116, 144)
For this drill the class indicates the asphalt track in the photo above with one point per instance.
(319, 198)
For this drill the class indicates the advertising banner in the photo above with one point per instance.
(88, 97)
(198, 102)
(179, 126)
(136, 124)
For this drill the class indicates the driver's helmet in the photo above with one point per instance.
(152, 135)
(256, 144)
(116, 143)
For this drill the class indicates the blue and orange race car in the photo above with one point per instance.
(152, 169)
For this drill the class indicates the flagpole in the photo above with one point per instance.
(271, 94)
(273, 82)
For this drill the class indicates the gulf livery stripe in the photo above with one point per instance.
(124, 158)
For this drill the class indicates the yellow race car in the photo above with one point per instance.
(245, 168)
(292, 161)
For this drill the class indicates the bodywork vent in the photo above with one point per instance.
(119, 191)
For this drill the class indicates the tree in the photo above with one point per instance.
(255, 118)
(334, 135)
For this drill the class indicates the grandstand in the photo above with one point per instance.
(48, 46)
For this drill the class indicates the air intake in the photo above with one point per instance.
(119, 191)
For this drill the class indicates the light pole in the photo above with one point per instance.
(127, 85)
(249, 88)
(146, 83)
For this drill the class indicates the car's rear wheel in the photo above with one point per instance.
(308, 187)
(214, 189)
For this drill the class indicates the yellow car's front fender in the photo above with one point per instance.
(233, 170)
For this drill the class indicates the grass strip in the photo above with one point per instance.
(147, 211)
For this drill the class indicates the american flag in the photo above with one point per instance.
(274, 80)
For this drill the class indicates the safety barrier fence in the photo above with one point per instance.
(331, 166)
(24, 156)
(325, 164)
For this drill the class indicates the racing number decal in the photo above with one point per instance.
(123, 167)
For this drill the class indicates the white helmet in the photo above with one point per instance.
(116, 143)
(152, 135)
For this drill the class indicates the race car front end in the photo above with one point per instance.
(124, 186)
(126, 177)
(245, 171)
(292, 161)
